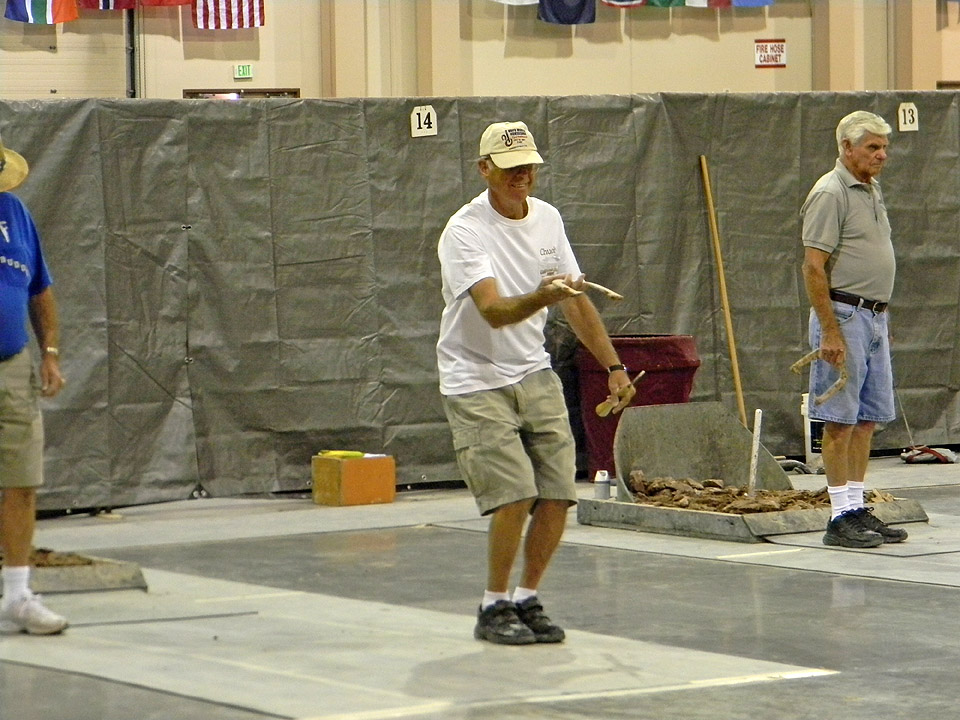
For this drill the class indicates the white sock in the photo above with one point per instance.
(15, 583)
(522, 593)
(490, 597)
(855, 494)
(838, 500)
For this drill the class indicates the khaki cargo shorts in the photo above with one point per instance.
(514, 443)
(21, 425)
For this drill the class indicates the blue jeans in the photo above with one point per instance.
(868, 394)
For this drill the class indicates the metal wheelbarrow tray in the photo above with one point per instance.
(700, 441)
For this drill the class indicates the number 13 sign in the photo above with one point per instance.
(908, 120)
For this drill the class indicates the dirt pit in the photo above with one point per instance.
(713, 495)
(42, 557)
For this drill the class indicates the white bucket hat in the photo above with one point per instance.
(13, 168)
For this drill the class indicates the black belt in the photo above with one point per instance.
(850, 299)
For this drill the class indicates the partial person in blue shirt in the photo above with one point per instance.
(26, 296)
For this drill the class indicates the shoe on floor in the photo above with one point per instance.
(499, 624)
(872, 522)
(29, 615)
(531, 614)
(846, 530)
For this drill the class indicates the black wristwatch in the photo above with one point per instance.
(613, 368)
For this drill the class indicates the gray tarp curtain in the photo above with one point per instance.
(243, 284)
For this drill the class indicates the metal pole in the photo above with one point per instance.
(754, 452)
(130, 47)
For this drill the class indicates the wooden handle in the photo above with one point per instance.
(728, 319)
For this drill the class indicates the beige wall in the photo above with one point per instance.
(383, 48)
(950, 43)
(507, 51)
(174, 56)
(84, 58)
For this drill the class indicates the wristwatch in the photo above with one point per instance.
(618, 366)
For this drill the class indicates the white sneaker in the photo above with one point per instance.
(29, 615)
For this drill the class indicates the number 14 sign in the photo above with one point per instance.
(423, 121)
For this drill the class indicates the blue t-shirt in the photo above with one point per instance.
(23, 272)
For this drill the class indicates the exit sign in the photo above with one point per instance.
(242, 72)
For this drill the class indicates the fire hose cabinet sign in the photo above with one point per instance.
(770, 53)
(353, 479)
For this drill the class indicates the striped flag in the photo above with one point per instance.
(41, 12)
(108, 4)
(227, 14)
(709, 3)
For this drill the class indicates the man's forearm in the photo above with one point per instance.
(587, 325)
(43, 319)
(818, 292)
(509, 310)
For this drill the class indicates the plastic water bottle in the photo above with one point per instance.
(601, 485)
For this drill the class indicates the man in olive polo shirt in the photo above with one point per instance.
(848, 270)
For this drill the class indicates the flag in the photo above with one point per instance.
(665, 3)
(517, 2)
(146, 3)
(624, 3)
(751, 3)
(227, 14)
(567, 12)
(709, 3)
(42, 12)
(108, 4)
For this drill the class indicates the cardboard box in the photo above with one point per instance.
(354, 481)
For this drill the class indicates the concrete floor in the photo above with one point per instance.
(277, 608)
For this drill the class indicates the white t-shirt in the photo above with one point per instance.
(477, 243)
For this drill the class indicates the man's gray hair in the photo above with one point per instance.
(857, 124)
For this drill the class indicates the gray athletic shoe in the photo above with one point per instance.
(29, 615)
(499, 624)
(846, 530)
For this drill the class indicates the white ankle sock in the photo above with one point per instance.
(521, 594)
(838, 500)
(489, 598)
(15, 583)
(855, 495)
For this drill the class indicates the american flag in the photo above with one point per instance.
(227, 14)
